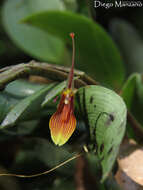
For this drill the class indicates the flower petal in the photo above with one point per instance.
(62, 125)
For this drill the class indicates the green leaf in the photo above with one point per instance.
(35, 42)
(95, 51)
(132, 93)
(137, 103)
(22, 88)
(23, 128)
(133, 87)
(130, 44)
(44, 151)
(105, 115)
(139, 88)
(128, 90)
(13, 93)
(128, 94)
(26, 108)
(54, 92)
(7, 102)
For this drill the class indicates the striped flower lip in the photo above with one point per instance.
(63, 122)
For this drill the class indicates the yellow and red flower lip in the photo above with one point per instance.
(63, 122)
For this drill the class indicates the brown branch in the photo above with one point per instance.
(138, 129)
(52, 72)
(83, 178)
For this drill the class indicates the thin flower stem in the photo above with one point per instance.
(43, 173)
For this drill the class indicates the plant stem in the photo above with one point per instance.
(138, 129)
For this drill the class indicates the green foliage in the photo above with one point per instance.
(26, 108)
(94, 48)
(95, 103)
(54, 92)
(130, 44)
(106, 49)
(105, 115)
(33, 41)
(128, 90)
(36, 148)
(132, 93)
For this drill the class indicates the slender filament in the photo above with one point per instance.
(42, 173)
(70, 79)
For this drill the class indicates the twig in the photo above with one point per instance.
(52, 72)
(83, 178)
(138, 129)
(42, 173)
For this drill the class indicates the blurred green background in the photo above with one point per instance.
(109, 48)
